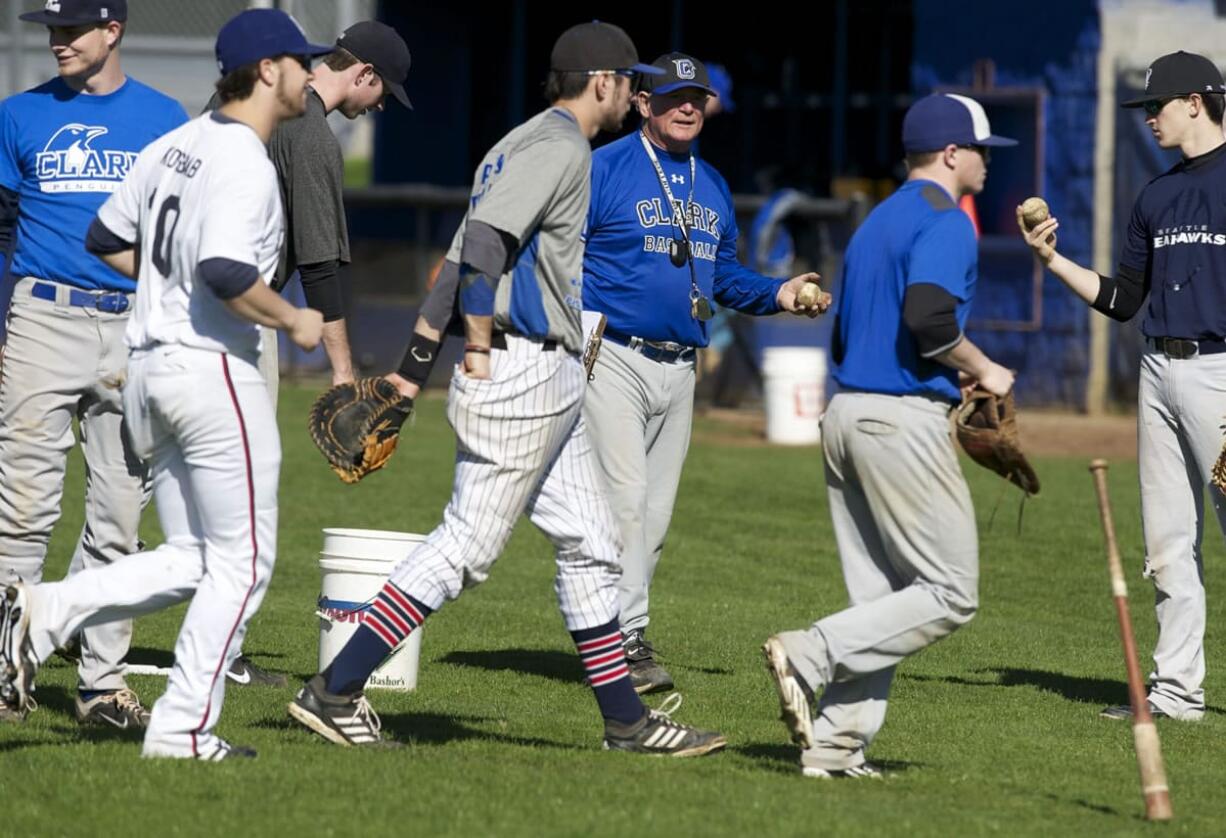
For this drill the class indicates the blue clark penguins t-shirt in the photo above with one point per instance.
(917, 235)
(628, 274)
(63, 153)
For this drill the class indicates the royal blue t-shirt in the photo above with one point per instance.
(627, 271)
(1177, 239)
(917, 235)
(63, 153)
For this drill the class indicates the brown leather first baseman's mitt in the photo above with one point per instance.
(356, 426)
(1218, 476)
(986, 427)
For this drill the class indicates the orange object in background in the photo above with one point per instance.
(968, 206)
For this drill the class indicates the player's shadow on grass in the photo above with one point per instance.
(1102, 691)
(1071, 687)
(782, 758)
(547, 663)
(436, 729)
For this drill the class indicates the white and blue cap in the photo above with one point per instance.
(257, 34)
(942, 119)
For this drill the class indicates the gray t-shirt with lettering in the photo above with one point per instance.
(534, 185)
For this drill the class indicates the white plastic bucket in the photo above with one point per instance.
(355, 565)
(794, 380)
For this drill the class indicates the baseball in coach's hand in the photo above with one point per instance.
(1034, 212)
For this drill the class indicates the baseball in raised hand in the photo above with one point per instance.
(1038, 228)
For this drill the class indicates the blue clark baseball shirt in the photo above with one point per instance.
(627, 270)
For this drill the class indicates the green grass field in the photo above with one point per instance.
(992, 731)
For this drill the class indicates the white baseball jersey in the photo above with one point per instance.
(206, 190)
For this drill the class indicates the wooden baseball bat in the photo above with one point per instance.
(1144, 733)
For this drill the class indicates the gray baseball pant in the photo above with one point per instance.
(906, 534)
(639, 413)
(1180, 405)
(63, 362)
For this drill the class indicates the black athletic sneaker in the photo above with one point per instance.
(245, 673)
(646, 675)
(795, 696)
(17, 666)
(864, 770)
(343, 719)
(225, 751)
(117, 708)
(656, 733)
(1123, 712)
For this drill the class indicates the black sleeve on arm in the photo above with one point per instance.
(8, 219)
(1121, 297)
(322, 288)
(487, 249)
(227, 278)
(929, 312)
(99, 240)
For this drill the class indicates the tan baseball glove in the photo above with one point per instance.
(986, 427)
(356, 426)
(1218, 476)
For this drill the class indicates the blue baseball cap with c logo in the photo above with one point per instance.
(262, 33)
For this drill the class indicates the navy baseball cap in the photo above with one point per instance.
(78, 12)
(677, 71)
(941, 119)
(379, 45)
(1179, 74)
(262, 33)
(588, 47)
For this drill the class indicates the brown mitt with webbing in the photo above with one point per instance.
(986, 427)
(1218, 476)
(356, 426)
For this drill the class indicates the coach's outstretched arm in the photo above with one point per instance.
(1119, 297)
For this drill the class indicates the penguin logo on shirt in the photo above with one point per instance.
(70, 163)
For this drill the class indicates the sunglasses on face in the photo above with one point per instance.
(626, 73)
(982, 150)
(1155, 106)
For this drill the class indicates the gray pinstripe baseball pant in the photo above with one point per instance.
(522, 447)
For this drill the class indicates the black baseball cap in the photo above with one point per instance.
(381, 46)
(677, 71)
(257, 34)
(1178, 74)
(78, 12)
(587, 47)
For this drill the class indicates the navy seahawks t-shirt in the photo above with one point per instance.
(916, 236)
(1177, 239)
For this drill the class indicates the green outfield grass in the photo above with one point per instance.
(991, 731)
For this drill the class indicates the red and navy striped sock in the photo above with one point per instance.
(604, 659)
(390, 619)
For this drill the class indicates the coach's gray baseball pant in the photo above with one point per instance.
(1180, 405)
(63, 362)
(639, 413)
(910, 552)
